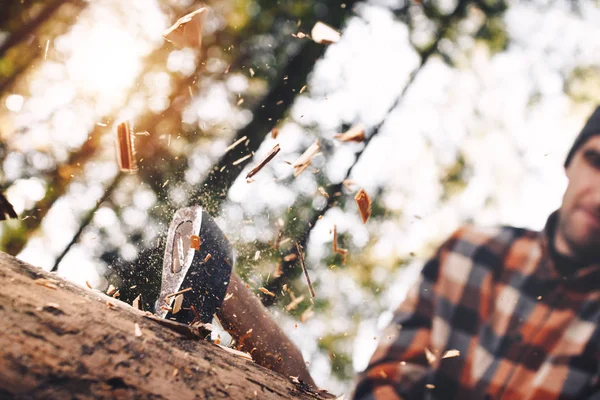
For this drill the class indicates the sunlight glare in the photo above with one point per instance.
(105, 60)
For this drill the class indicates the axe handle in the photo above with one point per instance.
(266, 342)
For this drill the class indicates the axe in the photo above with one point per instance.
(204, 274)
(204, 277)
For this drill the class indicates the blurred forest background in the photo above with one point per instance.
(469, 108)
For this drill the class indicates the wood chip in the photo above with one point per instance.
(228, 296)
(274, 133)
(451, 353)
(47, 282)
(324, 34)
(336, 248)
(364, 205)
(430, 386)
(294, 303)
(290, 257)
(241, 159)
(278, 272)
(354, 134)
(302, 89)
(431, 358)
(323, 192)
(88, 284)
(305, 159)
(111, 289)
(301, 256)
(178, 303)
(125, 149)
(208, 256)
(238, 353)
(307, 314)
(266, 291)
(187, 31)
(260, 165)
(137, 302)
(179, 292)
(195, 242)
(236, 143)
(137, 330)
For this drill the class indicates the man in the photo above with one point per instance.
(506, 313)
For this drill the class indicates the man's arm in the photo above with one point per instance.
(399, 365)
(249, 322)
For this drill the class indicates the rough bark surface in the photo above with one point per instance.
(62, 341)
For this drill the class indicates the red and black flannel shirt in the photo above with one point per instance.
(523, 329)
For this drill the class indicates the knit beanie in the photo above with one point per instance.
(591, 128)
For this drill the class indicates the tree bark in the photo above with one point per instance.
(62, 341)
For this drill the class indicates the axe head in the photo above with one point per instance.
(205, 273)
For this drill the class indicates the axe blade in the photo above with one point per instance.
(206, 277)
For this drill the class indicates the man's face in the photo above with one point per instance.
(578, 231)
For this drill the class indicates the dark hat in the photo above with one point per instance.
(591, 128)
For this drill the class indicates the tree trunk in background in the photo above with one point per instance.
(62, 341)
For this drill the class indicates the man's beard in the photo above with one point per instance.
(584, 247)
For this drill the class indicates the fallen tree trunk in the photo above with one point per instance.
(62, 341)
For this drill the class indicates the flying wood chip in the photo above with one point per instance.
(6, 209)
(301, 256)
(125, 150)
(354, 134)
(305, 159)
(324, 34)
(266, 291)
(364, 205)
(431, 358)
(178, 303)
(195, 242)
(264, 161)
(187, 31)
(137, 302)
(451, 353)
(336, 249)
(294, 303)
(111, 290)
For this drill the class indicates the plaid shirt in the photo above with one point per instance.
(523, 330)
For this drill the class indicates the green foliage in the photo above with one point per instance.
(455, 178)
(583, 84)
(493, 33)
